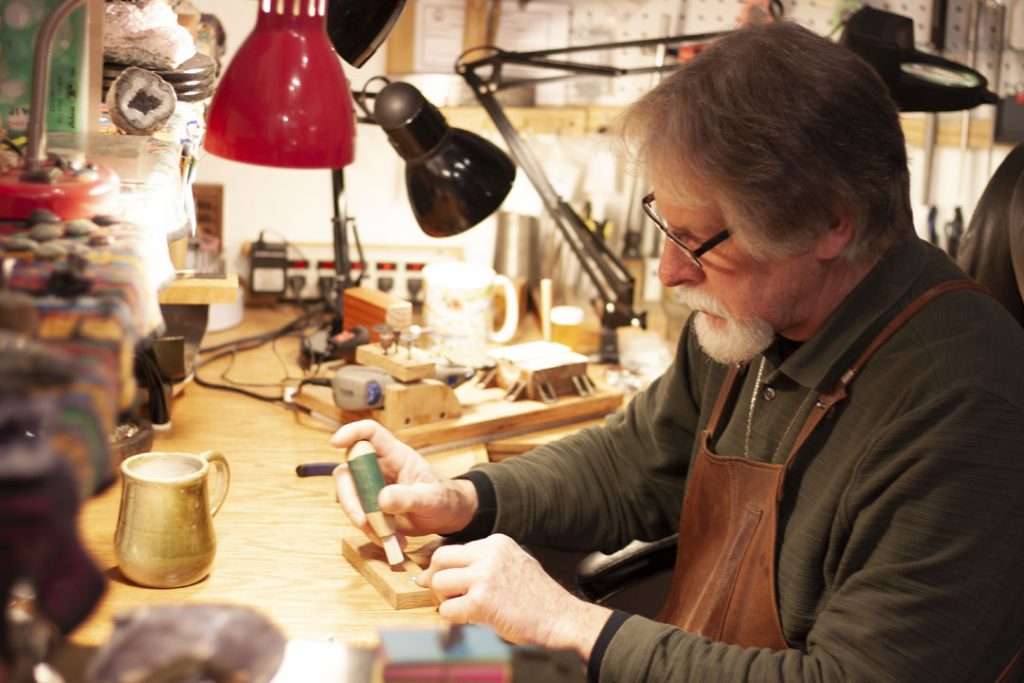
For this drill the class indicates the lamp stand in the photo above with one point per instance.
(337, 342)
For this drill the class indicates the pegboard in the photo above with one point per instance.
(998, 40)
(603, 21)
(997, 51)
(996, 48)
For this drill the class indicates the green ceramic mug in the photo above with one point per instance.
(164, 536)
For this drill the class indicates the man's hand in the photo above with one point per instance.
(495, 582)
(422, 501)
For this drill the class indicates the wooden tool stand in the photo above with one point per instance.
(416, 398)
(441, 418)
(541, 371)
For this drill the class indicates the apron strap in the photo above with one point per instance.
(1005, 675)
(724, 397)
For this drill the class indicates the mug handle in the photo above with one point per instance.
(219, 464)
(508, 327)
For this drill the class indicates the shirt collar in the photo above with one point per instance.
(820, 360)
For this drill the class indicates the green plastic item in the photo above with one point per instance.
(67, 97)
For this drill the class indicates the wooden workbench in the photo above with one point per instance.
(279, 536)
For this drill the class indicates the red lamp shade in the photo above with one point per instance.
(284, 100)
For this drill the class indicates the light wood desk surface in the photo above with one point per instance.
(279, 536)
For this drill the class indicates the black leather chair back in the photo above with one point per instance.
(992, 251)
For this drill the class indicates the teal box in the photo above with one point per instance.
(67, 98)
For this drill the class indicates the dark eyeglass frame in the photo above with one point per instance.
(694, 254)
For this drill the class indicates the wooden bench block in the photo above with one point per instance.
(396, 586)
(404, 364)
(408, 405)
(368, 307)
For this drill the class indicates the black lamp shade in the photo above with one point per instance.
(455, 178)
(358, 27)
(917, 81)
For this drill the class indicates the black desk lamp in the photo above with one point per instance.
(454, 178)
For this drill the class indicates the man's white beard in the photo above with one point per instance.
(738, 340)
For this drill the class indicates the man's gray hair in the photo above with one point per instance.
(789, 131)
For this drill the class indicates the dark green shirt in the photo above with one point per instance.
(901, 539)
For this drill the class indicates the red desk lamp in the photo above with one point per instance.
(284, 100)
(41, 182)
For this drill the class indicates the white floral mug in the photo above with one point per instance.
(459, 302)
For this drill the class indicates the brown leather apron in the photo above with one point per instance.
(724, 585)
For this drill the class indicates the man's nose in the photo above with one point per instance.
(677, 268)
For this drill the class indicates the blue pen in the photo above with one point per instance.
(316, 469)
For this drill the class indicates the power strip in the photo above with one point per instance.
(393, 269)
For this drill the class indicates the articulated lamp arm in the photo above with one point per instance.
(613, 281)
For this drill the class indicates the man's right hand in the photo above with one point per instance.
(422, 501)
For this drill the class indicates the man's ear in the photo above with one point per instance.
(839, 235)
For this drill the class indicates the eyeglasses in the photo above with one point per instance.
(694, 254)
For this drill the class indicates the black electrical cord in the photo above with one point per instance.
(227, 387)
(315, 381)
(298, 323)
(233, 347)
(150, 377)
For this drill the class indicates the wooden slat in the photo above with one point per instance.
(594, 119)
(475, 28)
(502, 449)
(948, 131)
(401, 42)
(200, 291)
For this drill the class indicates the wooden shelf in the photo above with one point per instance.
(200, 290)
(579, 120)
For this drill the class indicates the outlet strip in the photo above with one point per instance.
(393, 269)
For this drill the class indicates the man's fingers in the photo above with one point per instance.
(449, 556)
(456, 610)
(348, 498)
(382, 440)
(445, 557)
(464, 610)
(418, 498)
(450, 583)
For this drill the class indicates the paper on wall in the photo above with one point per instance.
(541, 24)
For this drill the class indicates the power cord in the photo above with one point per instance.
(236, 346)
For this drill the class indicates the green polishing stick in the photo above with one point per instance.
(362, 463)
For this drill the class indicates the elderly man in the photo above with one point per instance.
(839, 442)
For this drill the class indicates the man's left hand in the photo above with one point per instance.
(493, 581)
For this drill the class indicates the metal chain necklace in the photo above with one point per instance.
(750, 415)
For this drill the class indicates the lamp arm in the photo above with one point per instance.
(613, 45)
(541, 59)
(35, 154)
(613, 281)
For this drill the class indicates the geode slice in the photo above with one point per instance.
(140, 102)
